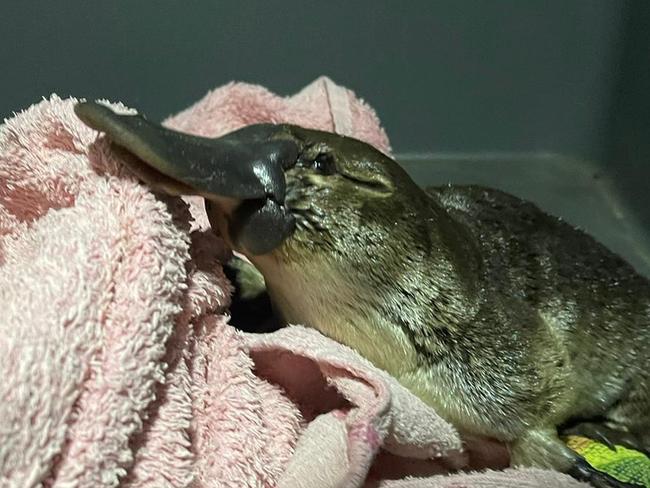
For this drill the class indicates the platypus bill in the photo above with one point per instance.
(509, 322)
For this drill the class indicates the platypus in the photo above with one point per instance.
(509, 322)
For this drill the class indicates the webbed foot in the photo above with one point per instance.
(250, 308)
(583, 471)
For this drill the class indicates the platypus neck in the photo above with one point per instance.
(458, 249)
(419, 273)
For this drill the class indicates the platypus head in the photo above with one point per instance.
(303, 190)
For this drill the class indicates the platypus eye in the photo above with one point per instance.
(324, 164)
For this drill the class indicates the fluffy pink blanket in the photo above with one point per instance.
(118, 365)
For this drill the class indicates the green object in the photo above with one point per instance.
(622, 463)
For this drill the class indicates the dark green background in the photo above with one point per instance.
(563, 76)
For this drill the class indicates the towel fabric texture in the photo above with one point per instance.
(118, 365)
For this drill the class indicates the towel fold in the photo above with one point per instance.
(119, 367)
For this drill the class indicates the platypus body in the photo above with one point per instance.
(511, 323)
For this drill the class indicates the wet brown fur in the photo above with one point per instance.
(508, 321)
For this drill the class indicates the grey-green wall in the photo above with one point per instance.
(567, 76)
(444, 75)
(627, 150)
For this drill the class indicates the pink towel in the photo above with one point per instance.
(118, 363)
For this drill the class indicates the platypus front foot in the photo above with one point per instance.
(583, 471)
